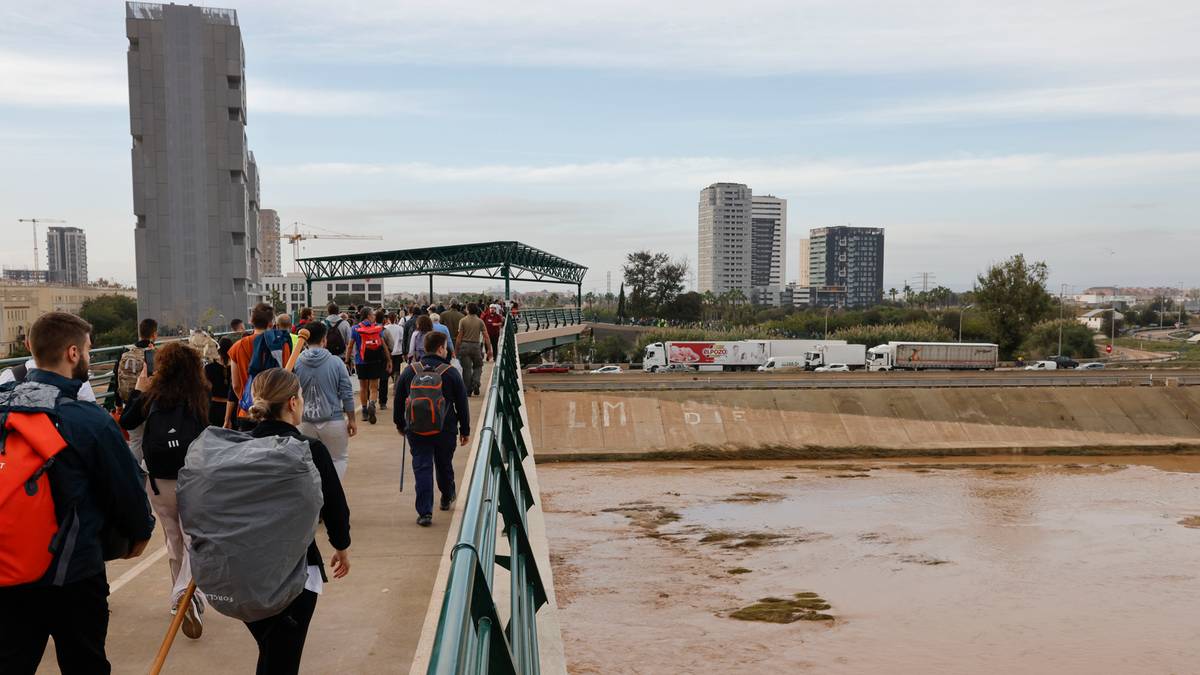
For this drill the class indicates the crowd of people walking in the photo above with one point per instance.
(111, 479)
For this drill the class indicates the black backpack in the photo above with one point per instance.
(425, 409)
(335, 342)
(165, 441)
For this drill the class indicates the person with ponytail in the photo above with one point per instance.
(278, 407)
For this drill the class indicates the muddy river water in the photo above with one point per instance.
(996, 565)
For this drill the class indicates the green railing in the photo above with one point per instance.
(103, 362)
(553, 317)
(469, 637)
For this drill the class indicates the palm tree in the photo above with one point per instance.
(892, 292)
(907, 292)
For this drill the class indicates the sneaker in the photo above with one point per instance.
(193, 626)
(425, 521)
(476, 391)
(447, 501)
(371, 411)
(383, 405)
(365, 415)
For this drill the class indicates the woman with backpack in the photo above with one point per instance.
(278, 408)
(171, 408)
(431, 405)
(416, 345)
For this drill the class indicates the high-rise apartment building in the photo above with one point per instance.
(805, 264)
(845, 266)
(195, 184)
(768, 248)
(66, 256)
(270, 258)
(725, 238)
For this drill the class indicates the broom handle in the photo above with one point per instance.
(301, 341)
(176, 622)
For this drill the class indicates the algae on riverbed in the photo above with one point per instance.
(805, 606)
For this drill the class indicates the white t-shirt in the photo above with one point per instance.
(85, 392)
(313, 582)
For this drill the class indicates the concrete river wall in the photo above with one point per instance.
(829, 423)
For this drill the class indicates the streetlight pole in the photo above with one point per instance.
(826, 322)
(1062, 291)
(963, 310)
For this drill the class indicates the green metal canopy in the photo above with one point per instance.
(507, 260)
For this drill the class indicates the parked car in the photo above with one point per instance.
(1064, 361)
(833, 368)
(1042, 365)
(549, 368)
(1094, 365)
(607, 370)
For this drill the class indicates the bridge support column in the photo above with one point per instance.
(579, 297)
(308, 288)
(507, 282)
(431, 289)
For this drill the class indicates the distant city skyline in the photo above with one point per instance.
(969, 130)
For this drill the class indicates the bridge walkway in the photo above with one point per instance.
(369, 622)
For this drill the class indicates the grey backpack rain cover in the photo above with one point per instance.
(250, 506)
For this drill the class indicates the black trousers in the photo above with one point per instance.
(385, 396)
(76, 614)
(281, 637)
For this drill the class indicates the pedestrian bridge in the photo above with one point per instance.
(471, 594)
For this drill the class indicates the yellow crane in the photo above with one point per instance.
(35, 221)
(296, 236)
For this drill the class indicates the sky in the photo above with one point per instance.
(1067, 130)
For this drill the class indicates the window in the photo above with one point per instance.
(235, 114)
(235, 81)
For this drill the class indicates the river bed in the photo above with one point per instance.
(986, 564)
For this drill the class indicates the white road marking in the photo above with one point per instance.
(137, 569)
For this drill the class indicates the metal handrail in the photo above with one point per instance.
(548, 317)
(101, 357)
(469, 638)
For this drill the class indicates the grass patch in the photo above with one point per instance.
(800, 607)
(924, 560)
(647, 516)
(740, 570)
(1191, 521)
(732, 540)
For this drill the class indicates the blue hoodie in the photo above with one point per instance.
(325, 384)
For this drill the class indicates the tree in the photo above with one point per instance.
(621, 305)
(892, 292)
(687, 307)
(1106, 326)
(1042, 340)
(641, 270)
(277, 302)
(1013, 296)
(113, 318)
(668, 283)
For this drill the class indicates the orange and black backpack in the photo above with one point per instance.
(425, 409)
(29, 443)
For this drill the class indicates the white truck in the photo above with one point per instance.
(724, 355)
(854, 356)
(933, 356)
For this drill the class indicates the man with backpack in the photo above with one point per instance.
(70, 498)
(338, 337)
(431, 404)
(20, 373)
(263, 349)
(328, 398)
(372, 359)
(134, 360)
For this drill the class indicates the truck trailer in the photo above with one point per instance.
(933, 356)
(724, 355)
(854, 356)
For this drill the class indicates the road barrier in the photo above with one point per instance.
(469, 637)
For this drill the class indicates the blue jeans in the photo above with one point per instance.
(430, 453)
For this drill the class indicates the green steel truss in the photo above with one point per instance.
(508, 260)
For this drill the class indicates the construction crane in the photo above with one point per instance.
(296, 236)
(35, 221)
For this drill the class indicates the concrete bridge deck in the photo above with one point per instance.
(369, 622)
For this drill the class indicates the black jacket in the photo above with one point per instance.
(97, 486)
(335, 512)
(458, 413)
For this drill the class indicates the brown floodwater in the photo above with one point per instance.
(980, 565)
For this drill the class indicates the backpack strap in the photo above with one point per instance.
(20, 373)
(418, 367)
(441, 370)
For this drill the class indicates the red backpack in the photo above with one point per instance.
(425, 409)
(370, 341)
(29, 442)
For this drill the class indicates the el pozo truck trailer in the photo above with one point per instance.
(933, 356)
(724, 355)
(854, 356)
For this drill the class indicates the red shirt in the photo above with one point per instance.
(493, 321)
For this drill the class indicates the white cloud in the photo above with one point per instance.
(310, 102)
(1005, 171)
(1163, 98)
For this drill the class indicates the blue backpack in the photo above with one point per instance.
(268, 353)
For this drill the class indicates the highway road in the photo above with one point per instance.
(636, 380)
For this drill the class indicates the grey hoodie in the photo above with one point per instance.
(325, 384)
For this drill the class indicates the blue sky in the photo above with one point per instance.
(1067, 130)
